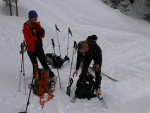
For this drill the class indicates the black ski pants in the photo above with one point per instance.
(39, 53)
(85, 67)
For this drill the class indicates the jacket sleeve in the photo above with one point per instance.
(28, 36)
(86, 64)
(42, 35)
(98, 57)
(79, 59)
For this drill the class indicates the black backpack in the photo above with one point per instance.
(54, 60)
(85, 89)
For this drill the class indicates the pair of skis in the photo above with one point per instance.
(100, 98)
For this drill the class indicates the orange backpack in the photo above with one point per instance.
(42, 82)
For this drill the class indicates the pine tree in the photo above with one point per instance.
(147, 17)
(117, 4)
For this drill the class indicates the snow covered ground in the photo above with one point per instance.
(124, 41)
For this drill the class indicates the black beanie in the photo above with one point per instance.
(94, 37)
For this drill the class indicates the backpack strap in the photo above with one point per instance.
(32, 30)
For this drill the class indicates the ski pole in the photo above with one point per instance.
(70, 79)
(56, 60)
(58, 38)
(115, 80)
(21, 52)
(23, 49)
(28, 97)
(69, 32)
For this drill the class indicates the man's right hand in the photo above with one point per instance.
(75, 73)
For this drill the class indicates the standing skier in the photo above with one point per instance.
(33, 34)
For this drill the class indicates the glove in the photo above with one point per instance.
(38, 35)
(42, 31)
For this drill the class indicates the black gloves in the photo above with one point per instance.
(42, 31)
(38, 35)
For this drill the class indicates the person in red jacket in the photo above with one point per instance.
(33, 35)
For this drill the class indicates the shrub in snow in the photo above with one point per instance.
(147, 17)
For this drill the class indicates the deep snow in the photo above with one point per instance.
(124, 41)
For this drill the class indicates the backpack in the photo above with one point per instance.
(54, 60)
(42, 82)
(85, 89)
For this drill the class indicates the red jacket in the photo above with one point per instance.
(30, 37)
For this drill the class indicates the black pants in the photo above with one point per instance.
(39, 53)
(98, 77)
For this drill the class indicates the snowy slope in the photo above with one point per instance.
(124, 41)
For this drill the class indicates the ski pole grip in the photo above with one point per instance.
(53, 42)
(21, 46)
(57, 28)
(69, 31)
(24, 45)
(75, 45)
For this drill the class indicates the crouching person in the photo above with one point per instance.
(89, 52)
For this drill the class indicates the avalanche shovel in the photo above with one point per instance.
(69, 87)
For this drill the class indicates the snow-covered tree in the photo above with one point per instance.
(147, 3)
(117, 4)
